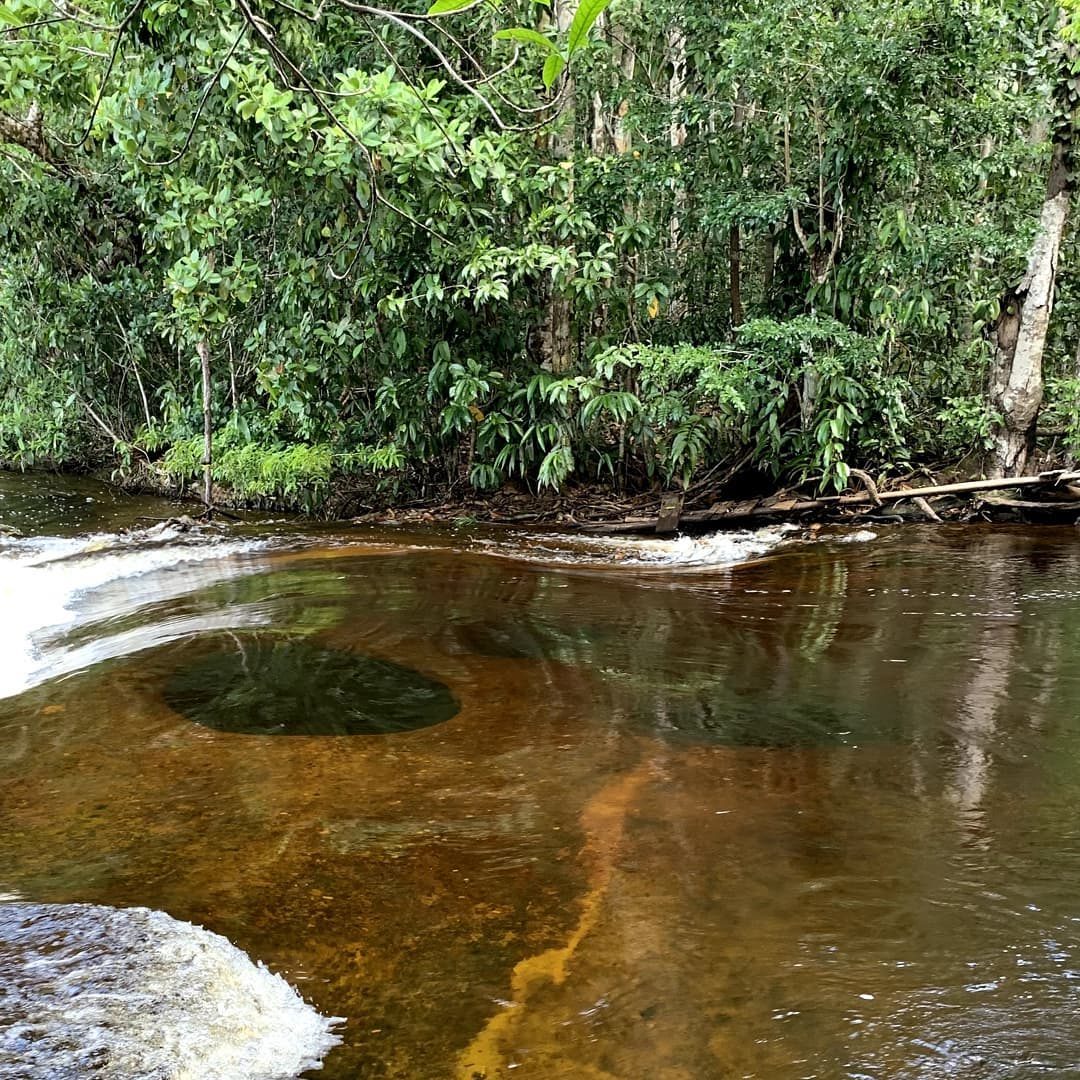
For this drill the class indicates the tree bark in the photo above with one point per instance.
(598, 138)
(557, 343)
(627, 65)
(30, 135)
(676, 56)
(1016, 380)
(203, 349)
(738, 122)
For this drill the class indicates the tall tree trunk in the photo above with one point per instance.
(203, 349)
(735, 268)
(598, 139)
(1016, 380)
(557, 342)
(676, 57)
(627, 65)
(738, 121)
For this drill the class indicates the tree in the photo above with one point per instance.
(1020, 332)
(768, 233)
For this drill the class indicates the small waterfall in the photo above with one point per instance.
(714, 550)
(47, 583)
(100, 993)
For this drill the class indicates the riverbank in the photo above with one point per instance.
(1051, 497)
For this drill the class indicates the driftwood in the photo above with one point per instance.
(1031, 506)
(927, 509)
(722, 513)
(670, 513)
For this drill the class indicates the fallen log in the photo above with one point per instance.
(626, 525)
(1047, 479)
(749, 509)
(1049, 506)
(927, 509)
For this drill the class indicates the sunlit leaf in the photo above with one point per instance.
(553, 68)
(586, 15)
(444, 7)
(527, 37)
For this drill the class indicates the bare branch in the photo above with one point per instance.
(124, 24)
(207, 91)
(11, 31)
(283, 64)
(439, 55)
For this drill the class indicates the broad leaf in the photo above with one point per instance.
(444, 7)
(587, 13)
(527, 37)
(553, 68)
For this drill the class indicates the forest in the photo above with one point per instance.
(371, 254)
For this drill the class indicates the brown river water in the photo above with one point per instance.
(521, 807)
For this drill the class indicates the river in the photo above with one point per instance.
(475, 803)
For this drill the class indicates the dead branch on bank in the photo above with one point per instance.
(743, 510)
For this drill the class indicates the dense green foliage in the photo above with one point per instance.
(778, 233)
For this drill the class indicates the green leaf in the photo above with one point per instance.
(553, 68)
(527, 37)
(587, 13)
(444, 7)
(9, 17)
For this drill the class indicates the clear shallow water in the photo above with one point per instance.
(816, 816)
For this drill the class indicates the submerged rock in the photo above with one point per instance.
(263, 685)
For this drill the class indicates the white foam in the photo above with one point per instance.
(719, 549)
(858, 536)
(714, 549)
(100, 993)
(47, 583)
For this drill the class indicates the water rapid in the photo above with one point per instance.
(100, 993)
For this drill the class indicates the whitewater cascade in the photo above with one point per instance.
(99, 993)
